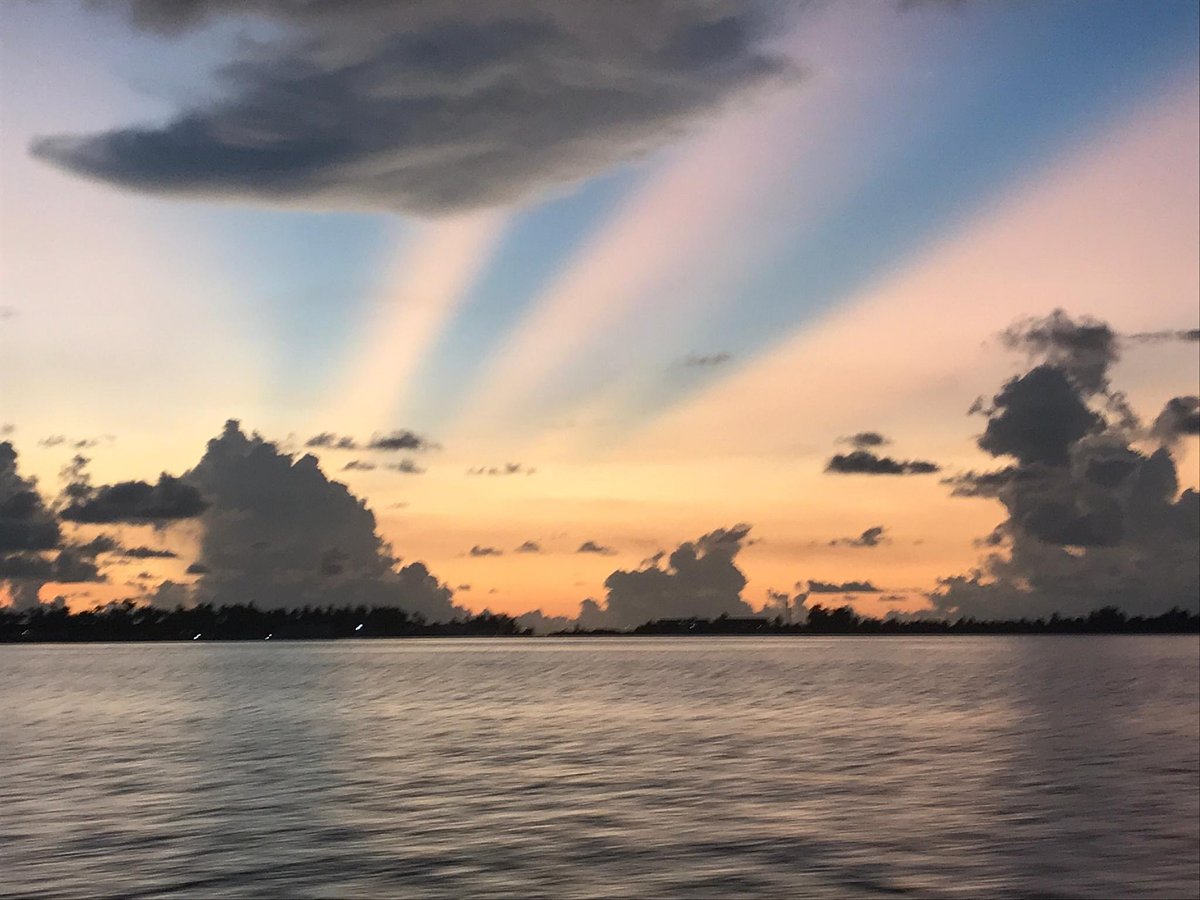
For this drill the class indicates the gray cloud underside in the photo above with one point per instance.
(434, 106)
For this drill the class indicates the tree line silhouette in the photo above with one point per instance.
(128, 621)
(844, 620)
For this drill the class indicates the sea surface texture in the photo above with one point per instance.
(626, 767)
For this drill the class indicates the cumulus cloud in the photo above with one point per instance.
(1092, 519)
(30, 534)
(280, 534)
(529, 547)
(699, 578)
(871, 537)
(432, 106)
(593, 547)
(1038, 416)
(26, 522)
(479, 550)
(864, 462)
(1081, 349)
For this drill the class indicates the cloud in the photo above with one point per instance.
(280, 534)
(327, 440)
(699, 579)
(864, 462)
(59, 440)
(842, 587)
(149, 553)
(864, 440)
(198, 569)
(26, 523)
(872, 537)
(506, 469)
(405, 467)
(1092, 520)
(1038, 416)
(593, 547)
(1158, 337)
(400, 440)
(67, 566)
(358, 465)
(433, 106)
(706, 361)
(478, 550)
(1179, 417)
(1083, 349)
(29, 533)
(136, 502)
(529, 547)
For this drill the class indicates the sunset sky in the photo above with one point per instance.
(595, 280)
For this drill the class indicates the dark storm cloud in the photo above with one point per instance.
(872, 537)
(30, 533)
(275, 521)
(593, 547)
(699, 578)
(67, 566)
(1092, 520)
(529, 547)
(864, 462)
(26, 523)
(706, 360)
(842, 587)
(432, 106)
(479, 550)
(1180, 417)
(864, 440)
(170, 499)
(1038, 417)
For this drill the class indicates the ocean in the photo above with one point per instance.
(1030, 766)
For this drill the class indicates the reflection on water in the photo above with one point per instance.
(842, 767)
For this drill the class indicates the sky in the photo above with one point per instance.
(676, 308)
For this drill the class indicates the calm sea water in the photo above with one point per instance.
(843, 767)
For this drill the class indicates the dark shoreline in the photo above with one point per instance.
(129, 623)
